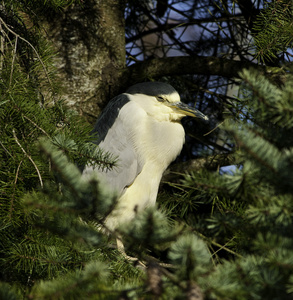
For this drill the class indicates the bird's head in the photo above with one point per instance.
(162, 101)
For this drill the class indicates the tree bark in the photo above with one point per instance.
(202, 65)
(90, 42)
(91, 61)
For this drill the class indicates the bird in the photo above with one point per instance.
(142, 128)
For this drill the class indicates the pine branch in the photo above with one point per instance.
(273, 29)
(29, 157)
(182, 65)
(34, 49)
(169, 27)
(36, 125)
(213, 162)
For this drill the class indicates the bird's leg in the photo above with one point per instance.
(120, 246)
(121, 249)
(141, 264)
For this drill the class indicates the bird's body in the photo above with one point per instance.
(142, 128)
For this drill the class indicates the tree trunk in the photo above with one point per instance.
(90, 44)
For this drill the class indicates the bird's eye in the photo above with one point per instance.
(160, 98)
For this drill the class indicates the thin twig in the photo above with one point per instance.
(28, 156)
(2, 39)
(5, 149)
(214, 128)
(34, 49)
(41, 129)
(17, 172)
(13, 60)
(223, 247)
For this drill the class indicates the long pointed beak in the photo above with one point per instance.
(188, 111)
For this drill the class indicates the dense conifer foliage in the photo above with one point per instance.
(215, 234)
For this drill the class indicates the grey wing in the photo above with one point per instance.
(114, 136)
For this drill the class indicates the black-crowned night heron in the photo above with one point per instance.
(142, 128)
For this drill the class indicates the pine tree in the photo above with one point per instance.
(241, 248)
(29, 109)
(273, 30)
(216, 236)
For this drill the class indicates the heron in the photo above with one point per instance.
(142, 128)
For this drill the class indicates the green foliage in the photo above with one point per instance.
(7, 293)
(245, 215)
(75, 285)
(273, 29)
(150, 229)
(191, 256)
(225, 235)
(38, 6)
(29, 110)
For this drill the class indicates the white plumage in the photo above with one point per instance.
(142, 128)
